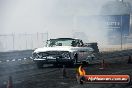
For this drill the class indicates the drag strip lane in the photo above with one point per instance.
(20, 72)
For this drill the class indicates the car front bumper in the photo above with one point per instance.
(53, 61)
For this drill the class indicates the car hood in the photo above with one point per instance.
(63, 48)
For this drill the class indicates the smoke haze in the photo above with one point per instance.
(60, 18)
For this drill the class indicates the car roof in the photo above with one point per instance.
(63, 39)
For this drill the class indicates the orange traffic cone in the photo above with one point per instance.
(9, 83)
(102, 65)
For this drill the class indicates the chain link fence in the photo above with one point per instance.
(25, 41)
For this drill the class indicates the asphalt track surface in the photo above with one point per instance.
(20, 66)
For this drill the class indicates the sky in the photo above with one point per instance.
(54, 16)
(60, 18)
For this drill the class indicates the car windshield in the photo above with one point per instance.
(63, 42)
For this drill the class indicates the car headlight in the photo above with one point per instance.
(34, 55)
(66, 55)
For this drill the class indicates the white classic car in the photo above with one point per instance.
(67, 51)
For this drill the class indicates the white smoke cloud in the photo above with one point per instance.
(58, 17)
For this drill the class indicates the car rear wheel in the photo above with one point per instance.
(84, 63)
(73, 63)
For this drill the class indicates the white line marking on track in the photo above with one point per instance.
(7, 60)
(13, 60)
(31, 58)
(19, 59)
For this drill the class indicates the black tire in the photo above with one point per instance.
(84, 63)
(73, 63)
(39, 65)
